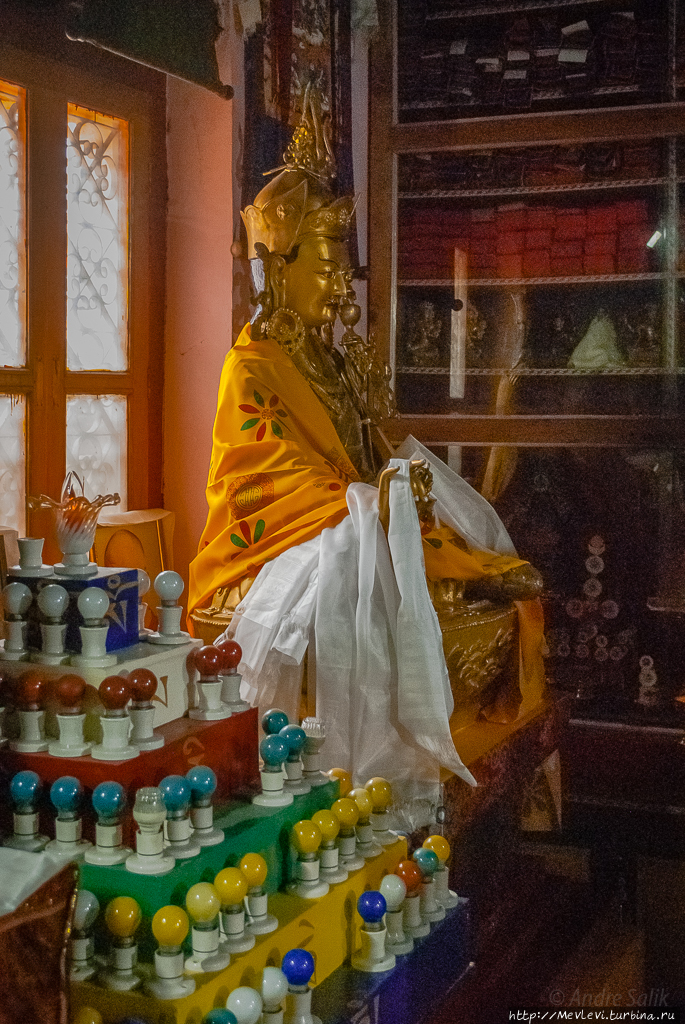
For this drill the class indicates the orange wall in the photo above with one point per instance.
(198, 299)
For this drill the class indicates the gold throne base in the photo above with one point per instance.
(478, 639)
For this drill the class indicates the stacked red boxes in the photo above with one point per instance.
(601, 240)
(518, 242)
(427, 241)
(511, 241)
(634, 231)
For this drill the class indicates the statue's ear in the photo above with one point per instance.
(277, 280)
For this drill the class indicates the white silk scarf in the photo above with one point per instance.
(360, 603)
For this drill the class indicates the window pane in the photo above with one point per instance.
(97, 239)
(96, 443)
(12, 462)
(12, 228)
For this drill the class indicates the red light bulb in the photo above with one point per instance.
(114, 693)
(5, 686)
(208, 660)
(69, 692)
(231, 653)
(143, 685)
(409, 872)
(30, 689)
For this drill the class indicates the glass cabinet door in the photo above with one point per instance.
(540, 280)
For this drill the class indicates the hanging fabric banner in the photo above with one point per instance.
(177, 37)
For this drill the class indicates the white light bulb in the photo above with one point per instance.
(17, 598)
(52, 601)
(169, 586)
(143, 582)
(246, 1004)
(394, 890)
(86, 910)
(274, 988)
(93, 604)
(149, 808)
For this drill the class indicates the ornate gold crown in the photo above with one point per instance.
(299, 201)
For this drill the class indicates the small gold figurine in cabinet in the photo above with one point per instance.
(426, 329)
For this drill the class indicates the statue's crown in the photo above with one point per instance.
(299, 200)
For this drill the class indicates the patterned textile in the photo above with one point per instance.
(278, 473)
(33, 945)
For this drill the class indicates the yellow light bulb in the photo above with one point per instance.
(363, 802)
(346, 811)
(327, 823)
(202, 902)
(87, 1015)
(306, 836)
(170, 925)
(380, 792)
(122, 916)
(253, 866)
(344, 778)
(231, 885)
(439, 846)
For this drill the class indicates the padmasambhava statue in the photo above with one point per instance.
(295, 417)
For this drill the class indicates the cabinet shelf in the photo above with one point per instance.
(562, 371)
(539, 96)
(520, 7)
(509, 282)
(521, 190)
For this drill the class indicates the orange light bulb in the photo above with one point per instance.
(380, 792)
(343, 777)
(122, 916)
(346, 811)
(254, 867)
(231, 885)
(439, 846)
(306, 836)
(327, 823)
(170, 925)
(363, 802)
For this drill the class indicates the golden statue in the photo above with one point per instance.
(298, 414)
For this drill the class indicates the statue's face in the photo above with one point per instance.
(317, 279)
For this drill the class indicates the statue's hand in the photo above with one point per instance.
(523, 583)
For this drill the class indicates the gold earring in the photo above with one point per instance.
(287, 328)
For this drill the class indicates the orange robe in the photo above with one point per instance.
(279, 475)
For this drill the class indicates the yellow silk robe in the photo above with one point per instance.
(279, 475)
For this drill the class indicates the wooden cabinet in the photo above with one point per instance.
(527, 286)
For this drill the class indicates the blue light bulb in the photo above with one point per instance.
(428, 861)
(202, 782)
(24, 790)
(66, 794)
(295, 737)
(109, 800)
(371, 906)
(220, 1017)
(175, 792)
(273, 721)
(273, 750)
(298, 967)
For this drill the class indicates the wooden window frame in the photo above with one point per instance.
(45, 381)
